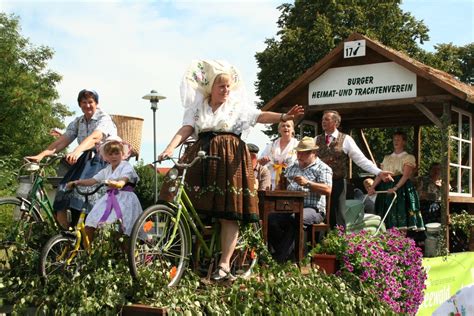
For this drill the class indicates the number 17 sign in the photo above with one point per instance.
(354, 49)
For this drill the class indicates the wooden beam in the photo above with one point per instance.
(433, 118)
(461, 199)
(364, 140)
(383, 103)
(429, 73)
(308, 76)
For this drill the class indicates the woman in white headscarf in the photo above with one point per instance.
(217, 114)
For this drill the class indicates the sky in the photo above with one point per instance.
(124, 49)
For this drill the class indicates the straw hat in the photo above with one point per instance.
(127, 148)
(306, 144)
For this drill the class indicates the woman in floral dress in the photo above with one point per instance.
(217, 114)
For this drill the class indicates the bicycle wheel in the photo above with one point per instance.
(54, 257)
(245, 258)
(16, 215)
(154, 247)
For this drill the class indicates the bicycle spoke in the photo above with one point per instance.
(244, 257)
(158, 246)
(55, 256)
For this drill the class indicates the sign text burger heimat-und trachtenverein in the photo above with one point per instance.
(382, 81)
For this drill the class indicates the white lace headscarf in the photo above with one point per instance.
(198, 79)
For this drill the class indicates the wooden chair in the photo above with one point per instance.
(323, 226)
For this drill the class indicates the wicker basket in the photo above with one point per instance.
(129, 128)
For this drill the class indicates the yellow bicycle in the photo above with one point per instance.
(59, 253)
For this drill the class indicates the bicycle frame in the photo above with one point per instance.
(174, 234)
(37, 199)
(79, 231)
(184, 208)
(38, 196)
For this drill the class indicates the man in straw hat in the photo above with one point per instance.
(308, 173)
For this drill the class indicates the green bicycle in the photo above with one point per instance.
(165, 238)
(17, 213)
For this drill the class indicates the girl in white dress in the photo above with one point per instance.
(120, 202)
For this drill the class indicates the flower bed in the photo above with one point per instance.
(390, 264)
(104, 285)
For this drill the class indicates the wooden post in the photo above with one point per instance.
(445, 172)
(417, 146)
(349, 170)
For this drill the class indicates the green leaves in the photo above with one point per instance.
(27, 91)
(310, 29)
(145, 189)
(463, 222)
(104, 286)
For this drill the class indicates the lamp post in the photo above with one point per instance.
(154, 98)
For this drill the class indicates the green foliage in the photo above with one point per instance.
(8, 174)
(332, 244)
(388, 264)
(27, 93)
(463, 222)
(455, 60)
(104, 285)
(310, 29)
(145, 189)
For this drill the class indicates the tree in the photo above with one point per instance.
(455, 60)
(28, 110)
(310, 29)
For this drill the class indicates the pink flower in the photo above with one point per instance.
(390, 263)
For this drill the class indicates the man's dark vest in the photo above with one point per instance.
(333, 155)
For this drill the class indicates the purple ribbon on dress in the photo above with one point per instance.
(112, 203)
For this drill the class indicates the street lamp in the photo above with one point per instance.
(154, 98)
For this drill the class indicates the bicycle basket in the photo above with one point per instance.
(129, 128)
(24, 187)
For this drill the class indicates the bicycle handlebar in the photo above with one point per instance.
(86, 193)
(35, 166)
(201, 155)
(49, 160)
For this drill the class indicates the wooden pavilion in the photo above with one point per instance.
(372, 85)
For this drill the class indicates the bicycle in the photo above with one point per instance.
(163, 237)
(33, 206)
(60, 251)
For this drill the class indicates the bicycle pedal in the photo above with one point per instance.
(67, 233)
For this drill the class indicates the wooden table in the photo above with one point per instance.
(283, 201)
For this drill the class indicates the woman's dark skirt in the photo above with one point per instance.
(222, 188)
(87, 166)
(405, 212)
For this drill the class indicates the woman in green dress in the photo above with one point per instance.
(405, 212)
